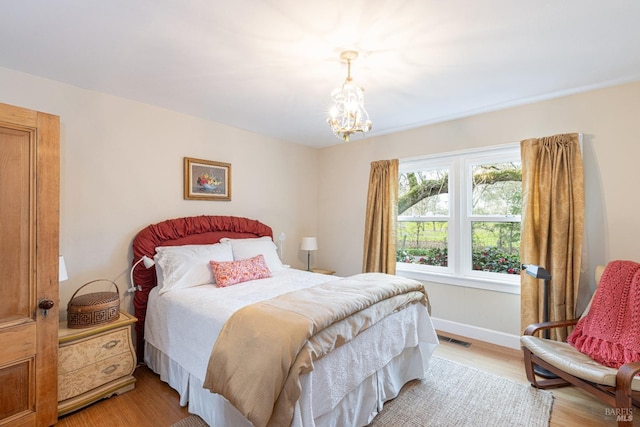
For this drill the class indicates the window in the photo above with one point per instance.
(459, 218)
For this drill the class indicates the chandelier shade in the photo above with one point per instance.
(347, 114)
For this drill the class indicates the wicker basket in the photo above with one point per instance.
(93, 309)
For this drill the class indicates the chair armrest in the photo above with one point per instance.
(535, 327)
(625, 374)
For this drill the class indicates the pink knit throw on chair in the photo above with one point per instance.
(610, 332)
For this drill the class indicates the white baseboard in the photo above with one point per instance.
(477, 333)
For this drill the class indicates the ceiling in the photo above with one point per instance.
(269, 66)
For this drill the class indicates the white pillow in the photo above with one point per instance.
(249, 248)
(179, 267)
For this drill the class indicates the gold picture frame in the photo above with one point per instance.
(206, 180)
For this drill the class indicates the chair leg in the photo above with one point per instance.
(528, 368)
(529, 364)
(624, 397)
(624, 408)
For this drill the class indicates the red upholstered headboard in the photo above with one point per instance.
(195, 230)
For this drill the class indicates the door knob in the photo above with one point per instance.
(46, 304)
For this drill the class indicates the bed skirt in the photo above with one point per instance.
(346, 388)
(356, 408)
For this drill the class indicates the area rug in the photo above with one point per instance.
(458, 395)
(191, 421)
(453, 394)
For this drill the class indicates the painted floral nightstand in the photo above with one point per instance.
(94, 363)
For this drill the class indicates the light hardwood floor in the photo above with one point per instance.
(154, 404)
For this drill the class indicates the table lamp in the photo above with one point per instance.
(309, 244)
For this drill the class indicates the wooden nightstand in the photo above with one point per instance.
(321, 271)
(94, 363)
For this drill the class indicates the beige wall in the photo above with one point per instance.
(608, 118)
(122, 169)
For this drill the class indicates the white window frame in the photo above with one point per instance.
(459, 270)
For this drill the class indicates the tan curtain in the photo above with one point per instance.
(380, 222)
(552, 225)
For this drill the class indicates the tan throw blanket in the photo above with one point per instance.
(264, 348)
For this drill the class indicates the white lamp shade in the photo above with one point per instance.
(62, 270)
(148, 262)
(309, 244)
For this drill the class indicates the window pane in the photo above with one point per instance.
(423, 242)
(497, 189)
(424, 193)
(496, 247)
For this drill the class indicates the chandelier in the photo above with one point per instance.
(348, 115)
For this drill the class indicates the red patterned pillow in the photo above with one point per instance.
(229, 273)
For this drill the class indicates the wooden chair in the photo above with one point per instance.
(619, 388)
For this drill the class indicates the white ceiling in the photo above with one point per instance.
(269, 66)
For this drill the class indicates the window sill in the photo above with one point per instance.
(465, 281)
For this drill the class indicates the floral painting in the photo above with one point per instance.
(206, 180)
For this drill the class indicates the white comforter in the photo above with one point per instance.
(184, 324)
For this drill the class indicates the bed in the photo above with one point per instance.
(179, 326)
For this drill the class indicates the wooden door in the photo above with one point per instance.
(29, 224)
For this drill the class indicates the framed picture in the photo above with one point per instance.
(206, 180)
